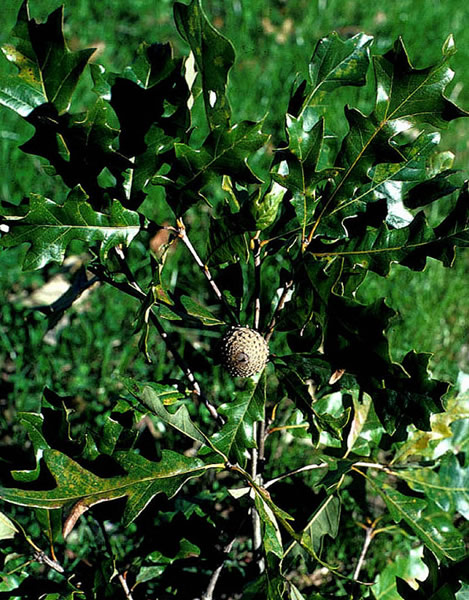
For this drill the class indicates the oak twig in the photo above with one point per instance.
(257, 280)
(182, 234)
(369, 535)
(278, 310)
(256, 521)
(125, 587)
(208, 594)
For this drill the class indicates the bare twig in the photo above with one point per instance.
(369, 535)
(278, 310)
(208, 594)
(257, 280)
(42, 557)
(182, 234)
(262, 438)
(256, 521)
(125, 587)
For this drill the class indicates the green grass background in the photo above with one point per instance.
(273, 40)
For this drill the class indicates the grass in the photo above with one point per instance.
(273, 41)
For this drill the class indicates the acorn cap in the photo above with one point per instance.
(244, 351)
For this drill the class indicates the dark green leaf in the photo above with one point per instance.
(224, 152)
(47, 68)
(403, 89)
(355, 340)
(264, 207)
(49, 228)
(401, 92)
(297, 170)
(154, 93)
(272, 539)
(214, 57)
(157, 562)
(378, 248)
(325, 521)
(227, 241)
(306, 378)
(79, 148)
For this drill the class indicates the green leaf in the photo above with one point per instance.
(228, 242)
(195, 309)
(50, 522)
(247, 407)
(306, 379)
(272, 539)
(297, 170)
(159, 562)
(449, 432)
(365, 430)
(335, 63)
(144, 480)
(214, 57)
(47, 68)
(448, 486)
(432, 526)
(154, 396)
(410, 567)
(224, 152)
(395, 181)
(152, 95)
(325, 521)
(366, 144)
(355, 340)
(114, 433)
(49, 228)
(441, 582)
(401, 92)
(80, 149)
(378, 248)
(7, 528)
(264, 207)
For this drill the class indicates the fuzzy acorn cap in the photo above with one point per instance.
(244, 351)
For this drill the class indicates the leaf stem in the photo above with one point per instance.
(325, 465)
(322, 465)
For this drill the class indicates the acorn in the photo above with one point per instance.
(244, 351)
